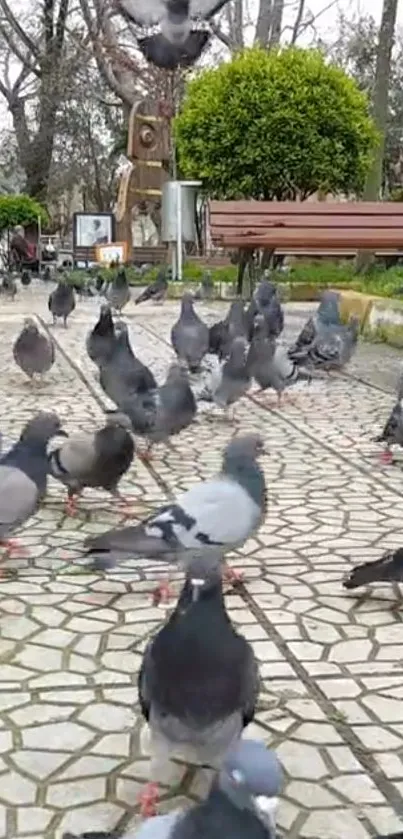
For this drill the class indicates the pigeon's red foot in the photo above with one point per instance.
(147, 455)
(71, 506)
(162, 593)
(13, 547)
(386, 458)
(148, 799)
(232, 576)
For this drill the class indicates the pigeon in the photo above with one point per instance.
(269, 363)
(392, 433)
(174, 17)
(222, 334)
(156, 290)
(94, 459)
(233, 379)
(118, 291)
(123, 375)
(33, 352)
(219, 514)
(23, 475)
(263, 295)
(164, 411)
(199, 680)
(100, 342)
(327, 314)
(332, 346)
(241, 804)
(26, 277)
(389, 568)
(206, 288)
(9, 287)
(62, 301)
(47, 274)
(218, 338)
(189, 335)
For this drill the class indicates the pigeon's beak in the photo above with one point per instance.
(61, 433)
(266, 809)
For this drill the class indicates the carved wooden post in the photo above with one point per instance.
(148, 151)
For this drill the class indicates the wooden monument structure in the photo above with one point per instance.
(148, 153)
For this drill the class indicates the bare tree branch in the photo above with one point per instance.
(18, 29)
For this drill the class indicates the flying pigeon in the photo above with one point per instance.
(174, 17)
(100, 342)
(156, 290)
(269, 363)
(241, 803)
(33, 352)
(199, 680)
(118, 291)
(160, 413)
(189, 335)
(232, 380)
(98, 459)
(392, 433)
(23, 475)
(216, 515)
(62, 301)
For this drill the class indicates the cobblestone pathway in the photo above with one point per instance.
(70, 732)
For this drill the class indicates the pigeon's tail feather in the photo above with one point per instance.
(388, 567)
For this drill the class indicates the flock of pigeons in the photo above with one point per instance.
(199, 681)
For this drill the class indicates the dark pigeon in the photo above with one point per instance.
(269, 363)
(213, 516)
(100, 342)
(62, 302)
(199, 680)
(190, 336)
(156, 290)
(232, 381)
(327, 314)
(124, 375)
(33, 352)
(387, 569)
(26, 278)
(392, 434)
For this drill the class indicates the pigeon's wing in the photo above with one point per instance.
(76, 456)
(252, 684)
(143, 12)
(50, 301)
(205, 9)
(18, 497)
(161, 52)
(143, 680)
(159, 827)
(283, 365)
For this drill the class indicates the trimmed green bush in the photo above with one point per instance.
(20, 209)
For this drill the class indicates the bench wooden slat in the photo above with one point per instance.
(320, 208)
(247, 222)
(317, 238)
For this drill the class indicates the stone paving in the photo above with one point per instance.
(72, 742)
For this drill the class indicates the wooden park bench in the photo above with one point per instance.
(307, 227)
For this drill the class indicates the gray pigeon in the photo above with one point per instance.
(206, 288)
(156, 290)
(392, 434)
(159, 414)
(199, 680)
(233, 379)
(33, 352)
(190, 336)
(100, 342)
(94, 459)
(118, 291)
(241, 804)
(214, 516)
(62, 301)
(269, 362)
(23, 474)
(389, 568)
(123, 375)
(263, 295)
(327, 314)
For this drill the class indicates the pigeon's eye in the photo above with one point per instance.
(237, 776)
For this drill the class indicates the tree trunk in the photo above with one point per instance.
(263, 23)
(276, 23)
(380, 111)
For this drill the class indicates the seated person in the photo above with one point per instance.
(23, 253)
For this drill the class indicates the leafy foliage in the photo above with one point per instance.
(379, 281)
(275, 125)
(20, 209)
